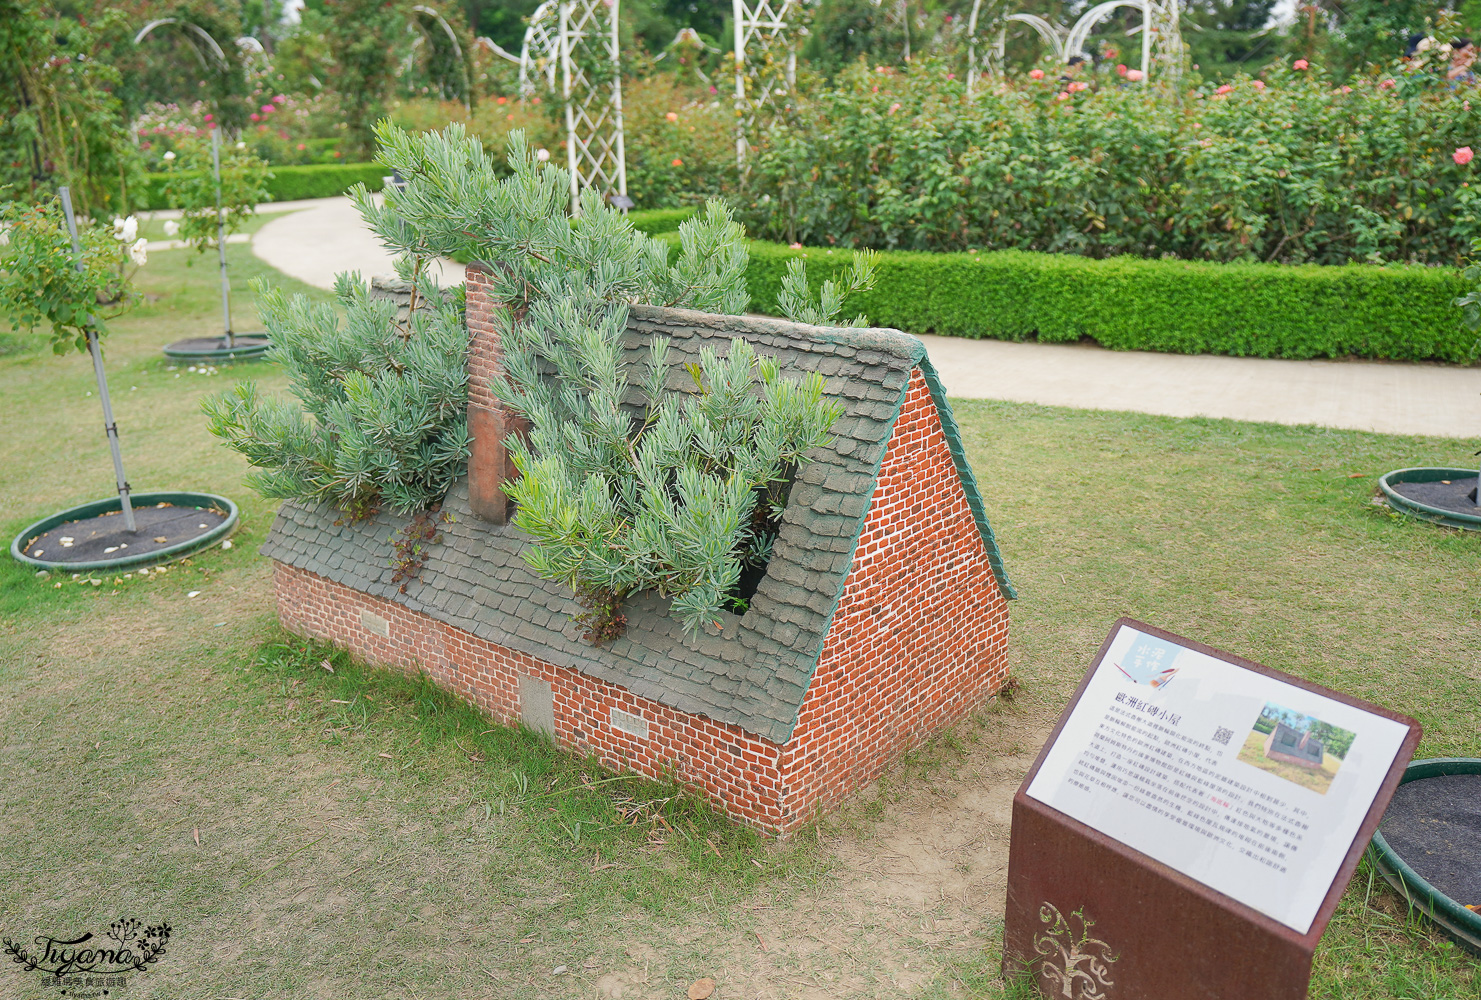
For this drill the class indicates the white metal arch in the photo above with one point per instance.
(199, 37)
(447, 29)
(485, 42)
(540, 54)
(1066, 44)
(1075, 43)
(765, 62)
(595, 152)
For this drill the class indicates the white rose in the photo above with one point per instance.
(128, 230)
(241, 145)
(138, 252)
(542, 155)
(118, 228)
(172, 227)
(169, 155)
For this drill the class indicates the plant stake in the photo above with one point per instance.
(221, 236)
(97, 353)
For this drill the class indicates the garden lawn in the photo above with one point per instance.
(312, 828)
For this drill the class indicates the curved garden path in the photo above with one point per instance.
(320, 238)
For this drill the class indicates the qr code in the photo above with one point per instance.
(1222, 735)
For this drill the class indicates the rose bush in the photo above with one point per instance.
(1290, 168)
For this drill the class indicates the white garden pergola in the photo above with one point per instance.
(1161, 16)
(571, 48)
(765, 63)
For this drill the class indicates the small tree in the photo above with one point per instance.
(381, 417)
(75, 281)
(624, 485)
(216, 194)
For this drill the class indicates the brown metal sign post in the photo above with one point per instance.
(1190, 825)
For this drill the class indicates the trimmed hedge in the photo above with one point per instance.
(320, 180)
(1401, 313)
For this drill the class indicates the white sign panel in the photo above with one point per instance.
(1250, 785)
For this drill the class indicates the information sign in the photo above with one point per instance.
(1192, 780)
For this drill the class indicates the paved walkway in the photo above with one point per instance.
(326, 237)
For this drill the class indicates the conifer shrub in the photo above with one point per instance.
(380, 415)
(624, 484)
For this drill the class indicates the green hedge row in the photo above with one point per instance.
(320, 180)
(1130, 304)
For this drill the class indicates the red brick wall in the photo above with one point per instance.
(734, 769)
(920, 637)
(918, 640)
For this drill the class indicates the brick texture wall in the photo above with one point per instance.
(484, 355)
(918, 640)
(920, 636)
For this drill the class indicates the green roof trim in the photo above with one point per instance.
(968, 477)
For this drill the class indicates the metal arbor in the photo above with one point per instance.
(765, 62)
(1161, 16)
(572, 46)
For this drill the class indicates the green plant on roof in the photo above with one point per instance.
(625, 483)
(380, 417)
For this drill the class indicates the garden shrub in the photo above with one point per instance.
(1288, 168)
(381, 412)
(287, 183)
(625, 485)
(1125, 303)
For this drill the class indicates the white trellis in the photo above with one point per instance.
(1161, 15)
(765, 63)
(571, 47)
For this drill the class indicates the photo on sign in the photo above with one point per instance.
(1299, 748)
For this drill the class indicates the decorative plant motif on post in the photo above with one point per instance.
(74, 280)
(1076, 963)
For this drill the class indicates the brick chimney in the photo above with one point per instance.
(489, 423)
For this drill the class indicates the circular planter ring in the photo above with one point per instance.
(1460, 924)
(249, 347)
(167, 554)
(1423, 511)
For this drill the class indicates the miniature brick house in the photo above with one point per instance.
(1291, 746)
(882, 617)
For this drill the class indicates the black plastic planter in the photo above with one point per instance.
(1440, 509)
(1448, 814)
(159, 515)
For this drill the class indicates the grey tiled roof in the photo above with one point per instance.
(754, 672)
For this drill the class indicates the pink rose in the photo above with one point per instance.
(795, 246)
(280, 99)
(267, 109)
(209, 118)
(1134, 75)
(1259, 84)
(894, 107)
(672, 116)
(1224, 89)
(1063, 95)
(1346, 89)
(677, 162)
(1462, 155)
(950, 76)
(1300, 64)
(1121, 69)
(1386, 85)
(256, 116)
(1036, 74)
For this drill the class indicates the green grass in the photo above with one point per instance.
(361, 833)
